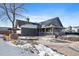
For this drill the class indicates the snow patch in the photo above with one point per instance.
(9, 49)
(39, 49)
(26, 49)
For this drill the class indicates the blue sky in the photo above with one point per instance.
(67, 12)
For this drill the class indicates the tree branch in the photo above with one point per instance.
(7, 12)
(19, 6)
(21, 15)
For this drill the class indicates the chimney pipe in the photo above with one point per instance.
(28, 19)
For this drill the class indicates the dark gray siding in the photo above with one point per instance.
(57, 31)
(29, 32)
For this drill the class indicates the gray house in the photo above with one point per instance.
(50, 27)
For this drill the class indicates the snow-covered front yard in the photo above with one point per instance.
(7, 48)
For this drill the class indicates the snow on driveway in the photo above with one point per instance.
(8, 50)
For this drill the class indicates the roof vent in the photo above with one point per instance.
(28, 19)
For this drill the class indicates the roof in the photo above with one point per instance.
(75, 27)
(20, 22)
(54, 21)
(30, 25)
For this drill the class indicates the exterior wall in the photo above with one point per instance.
(18, 31)
(36, 32)
(29, 32)
(45, 31)
(57, 31)
(78, 30)
(73, 30)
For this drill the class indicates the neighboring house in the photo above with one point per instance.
(5, 30)
(50, 27)
(69, 29)
(74, 29)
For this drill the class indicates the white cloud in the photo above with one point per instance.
(35, 18)
(66, 19)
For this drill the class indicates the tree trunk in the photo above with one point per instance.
(13, 23)
(13, 28)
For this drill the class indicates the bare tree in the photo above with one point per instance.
(10, 11)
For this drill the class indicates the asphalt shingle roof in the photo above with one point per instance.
(54, 21)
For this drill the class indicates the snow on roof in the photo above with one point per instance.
(29, 25)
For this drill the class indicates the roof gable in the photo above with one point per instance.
(54, 21)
